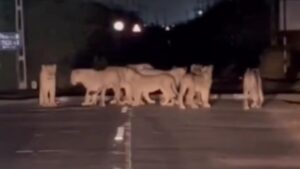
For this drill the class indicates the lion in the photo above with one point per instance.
(47, 90)
(252, 87)
(95, 82)
(131, 80)
(197, 84)
(176, 72)
(142, 85)
(125, 83)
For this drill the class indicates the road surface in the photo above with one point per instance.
(71, 137)
(224, 137)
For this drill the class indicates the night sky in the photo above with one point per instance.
(164, 12)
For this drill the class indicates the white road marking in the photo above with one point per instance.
(64, 99)
(128, 143)
(280, 162)
(120, 134)
(38, 134)
(24, 151)
(116, 168)
(117, 152)
(70, 131)
(125, 109)
(52, 151)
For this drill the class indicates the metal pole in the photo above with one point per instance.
(21, 53)
(285, 57)
(274, 20)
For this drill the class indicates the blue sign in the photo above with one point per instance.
(9, 41)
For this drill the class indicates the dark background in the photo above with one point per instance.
(232, 35)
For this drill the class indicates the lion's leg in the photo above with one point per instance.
(205, 98)
(161, 98)
(170, 100)
(257, 100)
(44, 97)
(102, 97)
(246, 99)
(136, 98)
(199, 99)
(52, 93)
(117, 95)
(253, 98)
(94, 98)
(47, 97)
(115, 99)
(140, 98)
(165, 96)
(128, 96)
(180, 98)
(87, 98)
(147, 98)
(190, 99)
(254, 103)
(41, 96)
(261, 97)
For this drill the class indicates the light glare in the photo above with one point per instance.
(119, 26)
(136, 28)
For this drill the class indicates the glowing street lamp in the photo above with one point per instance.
(136, 28)
(167, 28)
(200, 12)
(119, 26)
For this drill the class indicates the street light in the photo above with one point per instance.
(119, 26)
(136, 28)
(167, 28)
(200, 12)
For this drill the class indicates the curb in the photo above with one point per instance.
(281, 96)
(235, 96)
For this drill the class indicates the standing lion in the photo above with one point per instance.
(252, 86)
(143, 85)
(197, 84)
(47, 89)
(138, 86)
(95, 82)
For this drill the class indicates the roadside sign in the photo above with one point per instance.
(9, 41)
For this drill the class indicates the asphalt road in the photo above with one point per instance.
(224, 137)
(70, 137)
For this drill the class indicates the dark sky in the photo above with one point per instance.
(165, 12)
